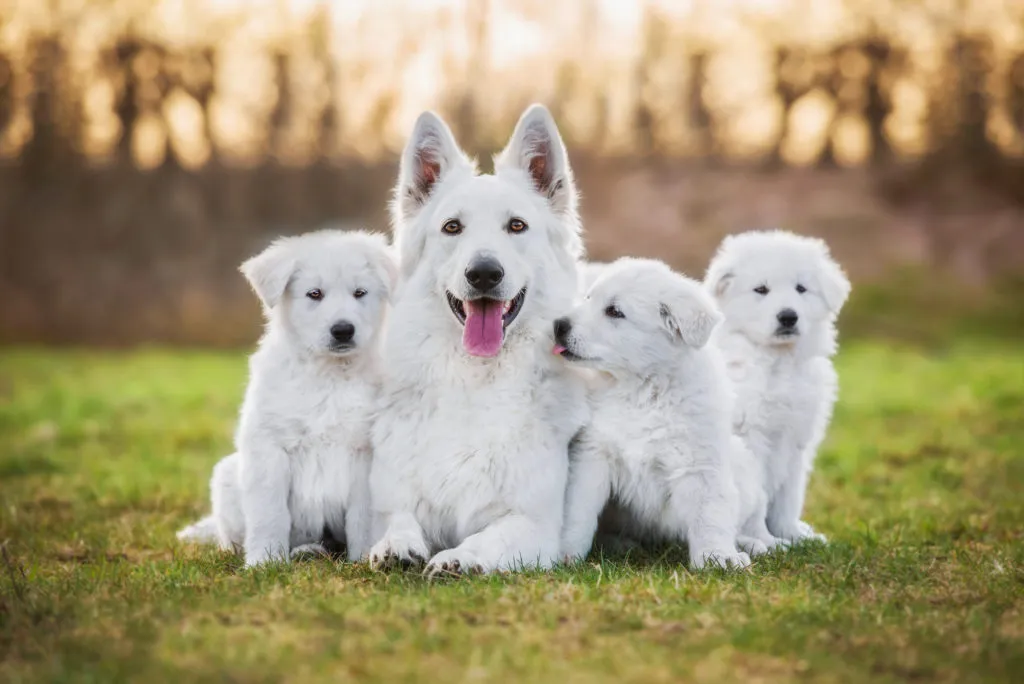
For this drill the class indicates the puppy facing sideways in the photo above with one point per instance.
(658, 445)
(780, 294)
(303, 442)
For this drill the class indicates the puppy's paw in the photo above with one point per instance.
(808, 533)
(798, 532)
(453, 563)
(725, 559)
(395, 551)
(754, 547)
(308, 552)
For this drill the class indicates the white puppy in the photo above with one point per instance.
(780, 294)
(471, 446)
(303, 441)
(658, 444)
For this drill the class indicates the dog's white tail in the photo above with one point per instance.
(202, 532)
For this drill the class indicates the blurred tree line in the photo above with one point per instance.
(157, 201)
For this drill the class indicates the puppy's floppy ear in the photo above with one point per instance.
(720, 283)
(688, 312)
(536, 148)
(835, 286)
(270, 271)
(389, 269)
(720, 273)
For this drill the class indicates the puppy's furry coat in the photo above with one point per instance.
(780, 294)
(471, 446)
(658, 446)
(303, 441)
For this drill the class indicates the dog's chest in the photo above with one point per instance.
(777, 410)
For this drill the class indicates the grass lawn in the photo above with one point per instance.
(920, 487)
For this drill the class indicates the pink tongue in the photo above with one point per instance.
(482, 335)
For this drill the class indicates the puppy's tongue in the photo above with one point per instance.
(482, 334)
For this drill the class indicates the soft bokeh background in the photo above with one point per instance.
(148, 146)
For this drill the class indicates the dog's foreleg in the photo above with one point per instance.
(357, 516)
(786, 506)
(402, 543)
(265, 481)
(586, 494)
(705, 502)
(513, 542)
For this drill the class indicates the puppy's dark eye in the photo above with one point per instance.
(761, 289)
(612, 311)
(801, 289)
(359, 293)
(517, 225)
(452, 227)
(315, 294)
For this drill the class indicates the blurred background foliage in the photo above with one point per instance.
(148, 146)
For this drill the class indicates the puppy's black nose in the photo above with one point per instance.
(787, 318)
(562, 328)
(485, 273)
(343, 331)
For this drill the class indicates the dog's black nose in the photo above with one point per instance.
(485, 273)
(343, 331)
(787, 318)
(562, 328)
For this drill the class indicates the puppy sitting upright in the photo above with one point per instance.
(303, 451)
(780, 294)
(658, 446)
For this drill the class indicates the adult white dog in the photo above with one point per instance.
(658, 445)
(471, 446)
(303, 441)
(781, 294)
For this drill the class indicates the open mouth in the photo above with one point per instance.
(484, 321)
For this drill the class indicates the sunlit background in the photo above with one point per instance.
(147, 147)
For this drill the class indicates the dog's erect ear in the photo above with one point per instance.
(429, 156)
(835, 286)
(536, 148)
(688, 312)
(270, 271)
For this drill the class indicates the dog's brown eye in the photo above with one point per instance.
(359, 293)
(612, 311)
(517, 225)
(315, 294)
(452, 227)
(801, 289)
(761, 289)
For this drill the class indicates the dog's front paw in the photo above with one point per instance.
(725, 559)
(396, 551)
(754, 547)
(797, 532)
(453, 563)
(807, 532)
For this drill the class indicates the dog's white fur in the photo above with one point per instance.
(471, 453)
(658, 444)
(785, 385)
(303, 440)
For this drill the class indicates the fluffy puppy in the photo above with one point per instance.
(303, 442)
(781, 294)
(658, 444)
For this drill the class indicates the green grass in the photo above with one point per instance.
(920, 487)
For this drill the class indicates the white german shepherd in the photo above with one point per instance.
(470, 448)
